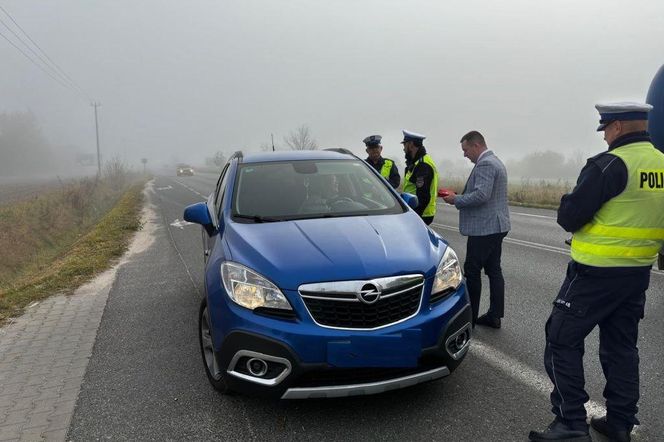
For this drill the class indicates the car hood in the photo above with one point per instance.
(291, 253)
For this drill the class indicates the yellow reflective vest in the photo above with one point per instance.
(628, 230)
(386, 169)
(409, 187)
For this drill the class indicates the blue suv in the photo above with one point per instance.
(321, 281)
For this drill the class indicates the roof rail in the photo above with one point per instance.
(340, 150)
(238, 154)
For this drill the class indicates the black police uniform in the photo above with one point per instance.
(422, 176)
(611, 298)
(394, 178)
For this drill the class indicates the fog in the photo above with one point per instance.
(179, 81)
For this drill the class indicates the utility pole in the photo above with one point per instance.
(272, 135)
(96, 104)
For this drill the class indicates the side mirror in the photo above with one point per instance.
(198, 213)
(410, 200)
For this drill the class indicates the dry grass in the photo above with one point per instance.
(544, 194)
(527, 193)
(59, 240)
(35, 230)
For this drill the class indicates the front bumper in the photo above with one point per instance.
(286, 375)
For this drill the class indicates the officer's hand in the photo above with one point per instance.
(450, 197)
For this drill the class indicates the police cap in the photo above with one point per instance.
(411, 136)
(622, 111)
(372, 140)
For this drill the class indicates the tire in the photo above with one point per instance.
(214, 373)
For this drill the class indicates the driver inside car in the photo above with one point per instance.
(322, 190)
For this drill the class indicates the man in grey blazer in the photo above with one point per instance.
(485, 219)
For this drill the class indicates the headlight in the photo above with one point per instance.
(249, 289)
(448, 274)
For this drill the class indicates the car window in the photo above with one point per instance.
(276, 191)
(219, 191)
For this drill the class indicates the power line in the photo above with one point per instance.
(37, 64)
(62, 72)
(27, 46)
(62, 78)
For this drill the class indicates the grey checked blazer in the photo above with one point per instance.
(483, 204)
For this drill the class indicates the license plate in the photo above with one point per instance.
(400, 350)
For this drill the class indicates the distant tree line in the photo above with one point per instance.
(546, 164)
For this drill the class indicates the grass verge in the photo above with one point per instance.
(540, 194)
(89, 255)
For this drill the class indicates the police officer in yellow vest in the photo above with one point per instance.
(384, 166)
(421, 177)
(616, 215)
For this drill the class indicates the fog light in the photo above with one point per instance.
(257, 367)
(460, 341)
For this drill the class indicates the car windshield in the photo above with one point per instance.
(286, 190)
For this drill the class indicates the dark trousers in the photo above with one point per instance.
(614, 300)
(483, 252)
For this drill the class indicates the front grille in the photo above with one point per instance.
(342, 309)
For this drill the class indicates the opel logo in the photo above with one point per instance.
(369, 294)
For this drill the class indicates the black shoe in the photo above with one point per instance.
(560, 432)
(488, 320)
(600, 425)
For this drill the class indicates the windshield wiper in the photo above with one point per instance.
(258, 218)
(323, 215)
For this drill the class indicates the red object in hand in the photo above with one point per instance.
(443, 192)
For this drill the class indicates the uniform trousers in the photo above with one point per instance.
(613, 299)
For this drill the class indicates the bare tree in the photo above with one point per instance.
(116, 172)
(301, 139)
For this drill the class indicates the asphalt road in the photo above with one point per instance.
(145, 379)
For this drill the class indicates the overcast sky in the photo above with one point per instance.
(179, 80)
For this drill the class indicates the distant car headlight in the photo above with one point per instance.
(251, 290)
(448, 275)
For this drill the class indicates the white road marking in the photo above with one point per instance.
(511, 213)
(532, 215)
(524, 374)
(189, 188)
(165, 188)
(535, 245)
(180, 224)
